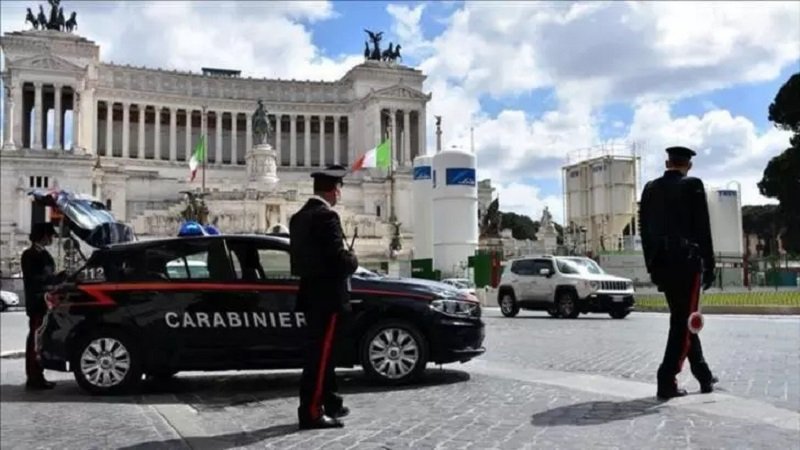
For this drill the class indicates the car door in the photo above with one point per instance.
(190, 304)
(521, 279)
(276, 334)
(541, 287)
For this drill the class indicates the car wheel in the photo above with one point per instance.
(3, 306)
(107, 362)
(508, 305)
(553, 312)
(394, 352)
(567, 305)
(619, 313)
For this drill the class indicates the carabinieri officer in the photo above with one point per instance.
(323, 263)
(678, 252)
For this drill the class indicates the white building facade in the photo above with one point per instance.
(125, 134)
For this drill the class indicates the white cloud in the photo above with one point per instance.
(263, 39)
(730, 148)
(528, 200)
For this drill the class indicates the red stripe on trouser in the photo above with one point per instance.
(692, 308)
(316, 400)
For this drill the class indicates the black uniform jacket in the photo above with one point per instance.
(38, 273)
(674, 221)
(320, 259)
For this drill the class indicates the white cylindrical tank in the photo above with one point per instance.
(725, 215)
(455, 210)
(423, 207)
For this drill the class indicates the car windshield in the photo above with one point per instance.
(578, 266)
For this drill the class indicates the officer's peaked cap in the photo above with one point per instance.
(333, 172)
(681, 152)
(42, 229)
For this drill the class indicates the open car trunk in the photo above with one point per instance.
(87, 218)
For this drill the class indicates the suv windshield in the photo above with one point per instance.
(578, 266)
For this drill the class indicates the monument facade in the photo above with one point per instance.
(125, 135)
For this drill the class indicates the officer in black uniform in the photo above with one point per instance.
(38, 273)
(676, 239)
(323, 263)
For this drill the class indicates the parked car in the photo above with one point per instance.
(227, 302)
(564, 287)
(7, 299)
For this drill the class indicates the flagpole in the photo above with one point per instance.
(205, 150)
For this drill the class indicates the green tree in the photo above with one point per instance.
(764, 222)
(521, 226)
(784, 111)
(781, 179)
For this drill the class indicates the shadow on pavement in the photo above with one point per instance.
(212, 391)
(598, 412)
(222, 441)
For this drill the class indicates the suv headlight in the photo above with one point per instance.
(593, 285)
(456, 308)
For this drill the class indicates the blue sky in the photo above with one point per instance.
(536, 81)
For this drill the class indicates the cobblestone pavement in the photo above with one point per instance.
(753, 356)
(543, 383)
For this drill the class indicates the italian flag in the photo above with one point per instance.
(198, 157)
(379, 157)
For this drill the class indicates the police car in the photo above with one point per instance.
(227, 302)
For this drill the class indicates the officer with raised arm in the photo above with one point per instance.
(324, 264)
(676, 239)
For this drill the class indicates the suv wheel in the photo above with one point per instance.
(567, 304)
(107, 362)
(394, 352)
(553, 312)
(508, 305)
(618, 313)
(3, 306)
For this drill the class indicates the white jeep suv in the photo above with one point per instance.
(564, 286)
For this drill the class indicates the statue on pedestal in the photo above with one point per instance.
(262, 129)
(262, 159)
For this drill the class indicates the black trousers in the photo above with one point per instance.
(318, 387)
(683, 294)
(33, 370)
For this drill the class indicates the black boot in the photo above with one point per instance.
(322, 421)
(336, 413)
(708, 386)
(39, 385)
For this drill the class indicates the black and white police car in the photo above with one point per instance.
(227, 302)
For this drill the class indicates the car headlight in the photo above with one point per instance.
(593, 285)
(456, 308)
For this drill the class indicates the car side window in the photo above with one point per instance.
(540, 264)
(257, 261)
(189, 260)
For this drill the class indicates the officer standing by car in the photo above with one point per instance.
(38, 272)
(323, 263)
(678, 251)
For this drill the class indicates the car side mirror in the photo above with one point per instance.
(545, 272)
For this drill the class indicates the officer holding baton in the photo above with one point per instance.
(323, 263)
(676, 239)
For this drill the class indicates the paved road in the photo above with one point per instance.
(754, 356)
(13, 330)
(543, 383)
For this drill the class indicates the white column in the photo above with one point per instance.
(292, 140)
(248, 131)
(9, 117)
(421, 124)
(393, 137)
(378, 131)
(157, 145)
(76, 118)
(126, 125)
(36, 143)
(173, 134)
(188, 149)
(95, 126)
(234, 138)
(307, 140)
(109, 128)
(57, 113)
(218, 158)
(278, 118)
(337, 157)
(322, 141)
(142, 117)
(17, 110)
(406, 160)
